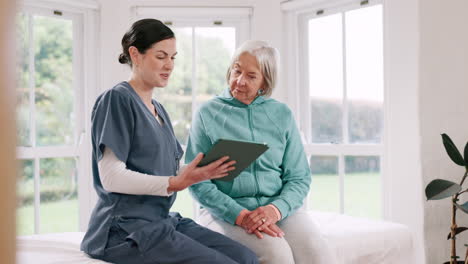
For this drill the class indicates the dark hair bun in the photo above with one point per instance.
(123, 58)
(142, 35)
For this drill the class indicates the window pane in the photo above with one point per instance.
(22, 80)
(25, 191)
(362, 186)
(364, 68)
(53, 39)
(177, 96)
(324, 190)
(326, 78)
(215, 47)
(59, 195)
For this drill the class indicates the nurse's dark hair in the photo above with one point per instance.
(143, 35)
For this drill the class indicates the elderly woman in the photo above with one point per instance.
(261, 207)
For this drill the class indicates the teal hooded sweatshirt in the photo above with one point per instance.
(281, 176)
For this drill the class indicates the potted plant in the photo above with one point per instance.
(441, 189)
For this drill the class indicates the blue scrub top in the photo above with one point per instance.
(122, 122)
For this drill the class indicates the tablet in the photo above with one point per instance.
(243, 152)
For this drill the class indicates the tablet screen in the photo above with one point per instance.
(243, 152)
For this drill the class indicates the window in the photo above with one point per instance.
(206, 41)
(51, 119)
(342, 108)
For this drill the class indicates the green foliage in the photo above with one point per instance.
(353, 164)
(58, 180)
(54, 102)
(53, 91)
(54, 76)
(452, 150)
(212, 58)
(463, 207)
(364, 121)
(324, 165)
(48, 195)
(22, 79)
(56, 217)
(324, 194)
(361, 164)
(440, 189)
(466, 155)
(327, 116)
(213, 61)
(458, 230)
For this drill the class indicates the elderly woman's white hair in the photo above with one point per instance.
(267, 59)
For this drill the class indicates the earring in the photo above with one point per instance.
(260, 92)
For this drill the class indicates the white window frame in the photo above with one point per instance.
(297, 14)
(84, 17)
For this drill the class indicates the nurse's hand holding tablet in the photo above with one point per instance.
(191, 174)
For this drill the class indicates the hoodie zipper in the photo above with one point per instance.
(254, 167)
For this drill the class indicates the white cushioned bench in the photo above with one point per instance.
(355, 241)
(364, 241)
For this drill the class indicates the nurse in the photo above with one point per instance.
(136, 168)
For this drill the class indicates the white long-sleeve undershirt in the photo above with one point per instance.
(115, 177)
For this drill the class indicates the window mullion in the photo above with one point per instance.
(47, 152)
(345, 78)
(344, 149)
(341, 175)
(341, 164)
(32, 83)
(196, 210)
(194, 72)
(305, 101)
(77, 96)
(37, 195)
(86, 193)
(32, 123)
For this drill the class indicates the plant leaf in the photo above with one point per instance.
(440, 189)
(456, 261)
(458, 230)
(463, 207)
(466, 155)
(452, 150)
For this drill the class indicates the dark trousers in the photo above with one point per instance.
(178, 240)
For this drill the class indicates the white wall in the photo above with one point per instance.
(115, 20)
(402, 181)
(426, 65)
(443, 105)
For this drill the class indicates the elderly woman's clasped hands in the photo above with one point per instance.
(262, 219)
